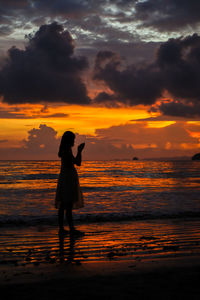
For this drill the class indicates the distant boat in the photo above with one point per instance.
(135, 158)
(196, 156)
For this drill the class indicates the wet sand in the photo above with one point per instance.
(132, 260)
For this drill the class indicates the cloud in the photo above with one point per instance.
(41, 143)
(5, 30)
(132, 85)
(106, 99)
(3, 141)
(103, 24)
(19, 113)
(175, 69)
(47, 7)
(65, 8)
(179, 109)
(45, 71)
(11, 115)
(141, 133)
(62, 7)
(179, 62)
(41, 140)
(168, 15)
(116, 142)
(140, 139)
(98, 148)
(94, 24)
(9, 8)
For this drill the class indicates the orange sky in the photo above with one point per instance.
(123, 132)
(81, 119)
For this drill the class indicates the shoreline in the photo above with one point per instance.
(102, 241)
(132, 260)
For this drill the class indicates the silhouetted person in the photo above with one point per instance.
(68, 194)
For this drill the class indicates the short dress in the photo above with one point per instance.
(68, 192)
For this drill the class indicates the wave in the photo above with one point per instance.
(112, 173)
(29, 177)
(86, 189)
(9, 221)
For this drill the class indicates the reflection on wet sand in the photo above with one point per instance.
(68, 254)
(134, 241)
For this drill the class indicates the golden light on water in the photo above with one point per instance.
(114, 188)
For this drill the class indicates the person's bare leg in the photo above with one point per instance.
(70, 217)
(73, 230)
(61, 218)
(61, 221)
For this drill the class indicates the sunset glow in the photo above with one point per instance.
(99, 149)
(87, 71)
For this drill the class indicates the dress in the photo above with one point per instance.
(68, 192)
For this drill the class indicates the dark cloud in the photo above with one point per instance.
(13, 4)
(175, 70)
(34, 10)
(160, 118)
(94, 24)
(168, 15)
(56, 115)
(179, 109)
(132, 85)
(106, 99)
(11, 115)
(179, 62)
(63, 7)
(46, 70)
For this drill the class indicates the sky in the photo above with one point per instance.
(124, 75)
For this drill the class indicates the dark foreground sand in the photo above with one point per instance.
(172, 278)
(134, 260)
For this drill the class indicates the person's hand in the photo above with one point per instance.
(80, 147)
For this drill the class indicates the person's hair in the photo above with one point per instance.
(66, 141)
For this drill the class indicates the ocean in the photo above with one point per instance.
(113, 191)
(133, 210)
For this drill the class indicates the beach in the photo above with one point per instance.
(166, 279)
(148, 260)
(142, 232)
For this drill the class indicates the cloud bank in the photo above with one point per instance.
(175, 70)
(168, 15)
(116, 142)
(46, 70)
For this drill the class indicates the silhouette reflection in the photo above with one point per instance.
(67, 254)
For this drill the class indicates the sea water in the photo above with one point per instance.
(113, 191)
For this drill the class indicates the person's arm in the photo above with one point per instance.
(78, 158)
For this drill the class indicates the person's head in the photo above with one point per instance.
(67, 141)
